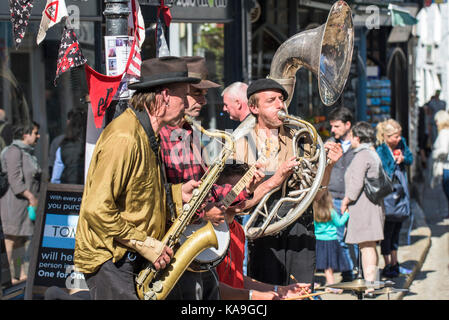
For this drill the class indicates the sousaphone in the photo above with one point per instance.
(327, 52)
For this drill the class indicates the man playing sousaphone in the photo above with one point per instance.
(289, 256)
(124, 213)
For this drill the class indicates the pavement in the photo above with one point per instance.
(411, 256)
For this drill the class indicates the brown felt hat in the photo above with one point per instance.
(197, 68)
(163, 70)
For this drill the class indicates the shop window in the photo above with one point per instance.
(206, 40)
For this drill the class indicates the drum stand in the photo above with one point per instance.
(359, 285)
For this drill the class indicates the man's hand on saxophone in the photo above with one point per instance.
(151, 249)
(187, 190)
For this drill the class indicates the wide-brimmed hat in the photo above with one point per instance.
(163, 70)
(197, 68)
(264, 85)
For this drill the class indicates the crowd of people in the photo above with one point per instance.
(148, 162)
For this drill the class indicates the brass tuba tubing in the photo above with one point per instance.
(284, 116)
(272, 223)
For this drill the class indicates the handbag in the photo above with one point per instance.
(376, 189)
(397, 204)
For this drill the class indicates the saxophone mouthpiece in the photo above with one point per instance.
(188, 118)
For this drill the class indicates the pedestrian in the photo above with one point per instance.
(69, 161)
(395, 155)
(19, 203)
(328, 250)
(440, 154)
(434, 105)
(366, 219)
(340, 120)
(124, 211)
(54, 145)
(235, 102)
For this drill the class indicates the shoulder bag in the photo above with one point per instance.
(376, 189)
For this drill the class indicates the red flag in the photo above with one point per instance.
(102, 89)
(133, 65)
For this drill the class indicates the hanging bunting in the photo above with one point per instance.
(136, 22)
(102, 89)
(69, 55)
(165, 12)
(161, 45)
(136, 19)
(54, 11)
(20, 13)
(134, 63)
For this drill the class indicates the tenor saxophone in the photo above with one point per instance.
(152, 284)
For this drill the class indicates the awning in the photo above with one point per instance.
(402, 34)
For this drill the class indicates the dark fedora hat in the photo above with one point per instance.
(197, 68)
(264, 85)
(164, 70)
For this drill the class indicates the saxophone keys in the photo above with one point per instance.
(157, 286)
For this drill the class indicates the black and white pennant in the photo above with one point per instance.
(70, 54)
(20, 13)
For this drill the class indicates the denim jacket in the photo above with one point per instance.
(386, 156)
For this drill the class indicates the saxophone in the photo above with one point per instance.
(152, 284)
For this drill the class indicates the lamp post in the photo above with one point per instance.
(116, 15)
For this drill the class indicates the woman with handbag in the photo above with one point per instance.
(366, 218)
(440, 153)
(20, 201)
(395, 155)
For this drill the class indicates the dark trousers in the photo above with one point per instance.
(391, 237)
(115, 281)
(196, 286)
(272, 259)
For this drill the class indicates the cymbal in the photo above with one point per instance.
(357, 285)
(389, 290)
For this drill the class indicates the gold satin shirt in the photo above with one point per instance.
(123, 198)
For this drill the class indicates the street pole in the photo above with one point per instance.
(116, 14)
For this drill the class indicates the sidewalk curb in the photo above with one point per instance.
(421, 247)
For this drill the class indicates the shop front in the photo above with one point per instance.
(272, 23)
(27, 74)
(217, 31)
(27, 90)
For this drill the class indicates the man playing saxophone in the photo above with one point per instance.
(280, 258)
(123, 213)
(182, 156)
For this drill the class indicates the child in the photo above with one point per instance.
(328, 250)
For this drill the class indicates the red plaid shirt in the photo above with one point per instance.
(182, 164)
